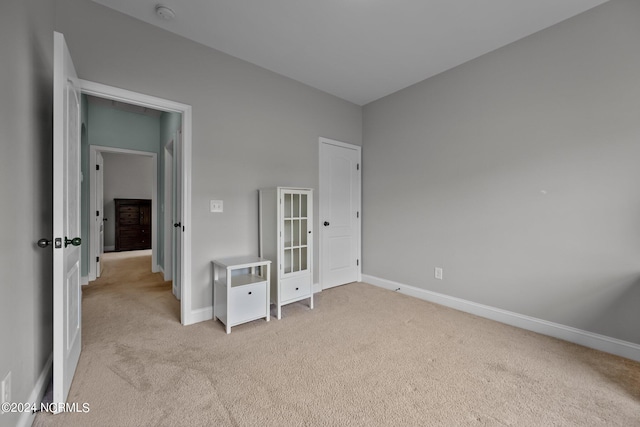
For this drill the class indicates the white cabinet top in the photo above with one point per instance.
(241, 262)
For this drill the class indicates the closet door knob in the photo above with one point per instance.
(326, 223)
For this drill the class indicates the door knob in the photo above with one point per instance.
(177, 224)
(76, 241)
(43, 243)
(326, 223)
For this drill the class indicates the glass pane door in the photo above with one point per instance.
(295, 233)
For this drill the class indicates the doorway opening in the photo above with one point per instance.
(122, 174)
(181, 236)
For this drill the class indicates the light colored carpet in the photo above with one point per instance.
(363, 357)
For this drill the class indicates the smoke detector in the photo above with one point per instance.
(165, 12)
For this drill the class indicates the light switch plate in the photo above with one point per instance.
(216, 206)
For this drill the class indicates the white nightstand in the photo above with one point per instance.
(241, 290)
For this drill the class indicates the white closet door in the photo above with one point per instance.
(339, 213)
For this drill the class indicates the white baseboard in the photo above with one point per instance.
(567, 333)
(84, 280)
(199, 315)
(317, 288)
(109, 248)
(39, 389)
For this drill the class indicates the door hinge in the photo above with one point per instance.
(97, 167)
(358, 214)
(97, 213)
(357, 166)
(97, 259)
(358, 262)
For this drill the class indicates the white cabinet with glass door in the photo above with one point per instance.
(286, 238)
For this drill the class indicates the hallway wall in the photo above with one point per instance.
(26, 168)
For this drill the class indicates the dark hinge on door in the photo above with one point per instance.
(357, 262)
(97, 259)
(358, 214)
(358, 166)
(97, 213)
(97, 167)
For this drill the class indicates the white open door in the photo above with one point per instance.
(339, 213)
(177, 216)
(99, 224)
(168, 212)
(66, 221)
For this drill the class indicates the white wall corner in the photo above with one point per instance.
(39, 389)
(567, 333)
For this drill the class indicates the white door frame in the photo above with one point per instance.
(321, 200)
(168, 208)
(187, 314)
(98, 226)
(93, 203)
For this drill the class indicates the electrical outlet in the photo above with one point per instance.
(438, 273)
(5, 389)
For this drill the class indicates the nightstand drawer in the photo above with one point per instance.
(247, 302)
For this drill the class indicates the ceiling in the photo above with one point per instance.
(358, 50)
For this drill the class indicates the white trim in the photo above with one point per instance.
(93, 150)
(358, 149)
(84, 280)
(167, 209)
(317, 288)
(567, 333)
(187, 315)
(202, 314)
(39, 389)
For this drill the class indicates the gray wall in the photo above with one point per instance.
(251, 128)
(126, 176)
(518, 173)
(26, 97)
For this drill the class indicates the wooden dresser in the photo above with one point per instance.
(133, 224)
